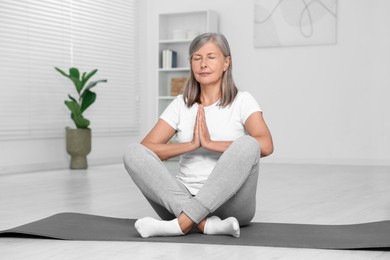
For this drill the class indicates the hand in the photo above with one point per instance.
(196, 138)
(204, 134)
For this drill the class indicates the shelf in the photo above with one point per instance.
(166, 97)
(175, 69)
(176, 31)
(176, 41)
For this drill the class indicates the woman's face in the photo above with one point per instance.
(208, 64)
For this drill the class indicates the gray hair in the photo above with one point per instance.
(191, 92)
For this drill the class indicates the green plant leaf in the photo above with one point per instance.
(76, 114)
(88, 98)
(72, 98)
(62, 72)
(89, 75)
(80, 121)
(73, 107)
(74, 75)
(74, 72)
(92, 84)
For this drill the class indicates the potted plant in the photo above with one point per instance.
(78, 141)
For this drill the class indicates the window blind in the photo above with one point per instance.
(36, 36)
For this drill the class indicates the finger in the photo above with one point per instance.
(199, 121)
(197, 117)
(200, 113)
(201, 117)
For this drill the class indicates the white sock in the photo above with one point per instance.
(150, 227)
(215, 226)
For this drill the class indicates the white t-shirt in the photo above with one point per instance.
(224, 124)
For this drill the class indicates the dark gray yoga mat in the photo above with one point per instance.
(76, 226)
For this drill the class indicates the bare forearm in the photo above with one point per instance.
(221, 146)
(266, 146)
(218, 146)
(170, 150)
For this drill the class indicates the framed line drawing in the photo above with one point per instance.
(279, 23)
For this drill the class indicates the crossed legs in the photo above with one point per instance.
(229, 192)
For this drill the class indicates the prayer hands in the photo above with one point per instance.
(201, 133)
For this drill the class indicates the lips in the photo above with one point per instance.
(203, 74)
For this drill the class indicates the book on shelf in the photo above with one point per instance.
(169, 59)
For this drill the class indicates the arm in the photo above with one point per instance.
(257, 128)
(254, 125)
(204, 135)
(157, 141)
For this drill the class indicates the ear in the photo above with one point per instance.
(227, 63)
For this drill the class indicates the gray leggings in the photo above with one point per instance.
(229, 191)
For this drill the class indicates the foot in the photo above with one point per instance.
(215, 226)
(151, 227)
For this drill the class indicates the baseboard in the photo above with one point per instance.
(32, 167)
(327, 161)
(48, 166)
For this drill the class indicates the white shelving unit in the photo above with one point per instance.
(176, 31)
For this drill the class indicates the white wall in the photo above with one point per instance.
(323, 104)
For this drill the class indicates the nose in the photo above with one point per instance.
(203, 64)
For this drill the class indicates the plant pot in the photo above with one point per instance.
(78, 146)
